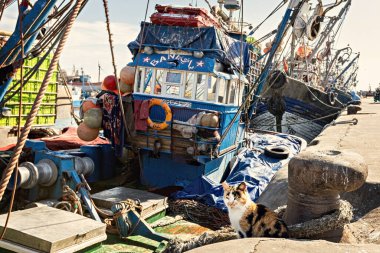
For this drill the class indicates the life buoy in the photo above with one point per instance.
(168, 115)
(331, 98)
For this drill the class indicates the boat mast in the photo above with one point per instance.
(347, 68)
(330, 65)
(277, 40)
(352, 76)
(329, 28)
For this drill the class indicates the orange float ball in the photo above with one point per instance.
(125, 88)
(109, 83)
(127, 75)
(93, 118)
(88, 104)
(87, 134)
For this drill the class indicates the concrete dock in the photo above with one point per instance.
(363, 234)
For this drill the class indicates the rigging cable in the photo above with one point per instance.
(20, 21)
(142, 39)
(2, 8)
(106, 12)
(278, 7)
(252, 89)
(32, 115)
(57, 29)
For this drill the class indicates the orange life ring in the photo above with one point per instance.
(168, 115)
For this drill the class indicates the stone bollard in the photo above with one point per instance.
(316, 178)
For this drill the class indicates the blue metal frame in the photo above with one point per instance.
(264, 75)
(226, 112)
(31, 23)
(273, 50)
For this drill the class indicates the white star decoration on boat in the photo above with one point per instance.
(200, 64)
(146, 59)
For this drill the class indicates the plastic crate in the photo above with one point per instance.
(47, 112)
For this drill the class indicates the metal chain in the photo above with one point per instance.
(32, 115)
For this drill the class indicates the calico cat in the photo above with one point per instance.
(250, 219)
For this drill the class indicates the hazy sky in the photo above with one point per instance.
(88, 43)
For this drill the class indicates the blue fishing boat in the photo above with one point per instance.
(297, 98)
(189, 83)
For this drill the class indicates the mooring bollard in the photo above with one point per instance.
(353, 109)
(316, 178)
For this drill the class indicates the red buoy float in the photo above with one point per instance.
(109, 83)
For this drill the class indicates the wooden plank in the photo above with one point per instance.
(151, 203)
(49, 229)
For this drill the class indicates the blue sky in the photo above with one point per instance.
(88, 43)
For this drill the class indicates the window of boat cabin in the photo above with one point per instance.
(172, 84)
(187, 84)
(159, 81)
(222, 91)
(212, 88)
(234, 92)
(144, 80)
(200, 87)
(231, 88)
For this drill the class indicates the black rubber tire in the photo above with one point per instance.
(277, 79)
(276, 152)
(332, 98)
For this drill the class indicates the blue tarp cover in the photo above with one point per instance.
(213, 42)
(251, 167)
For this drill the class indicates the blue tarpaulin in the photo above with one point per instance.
(252, 167)
(211, 41)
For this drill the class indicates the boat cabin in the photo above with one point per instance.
(189, 82)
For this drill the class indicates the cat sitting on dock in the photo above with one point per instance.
(250, 219)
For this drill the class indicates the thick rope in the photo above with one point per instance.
(179, 246)
(19, 119)
(199, 213)
(326, 223)
(167, 222)
(303, 230)
(106, 12)
(41, 93)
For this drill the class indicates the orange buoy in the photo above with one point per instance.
(304, 51)
(109, 83)
(89, 104)
(210, 120)
(93, 118)
(168, 115)
(87, 134)
(127, 75)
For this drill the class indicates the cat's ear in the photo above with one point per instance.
(242, 186)
(225, 185)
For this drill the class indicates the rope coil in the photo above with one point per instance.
(304, 230)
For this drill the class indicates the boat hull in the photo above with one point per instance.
(295, 109)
